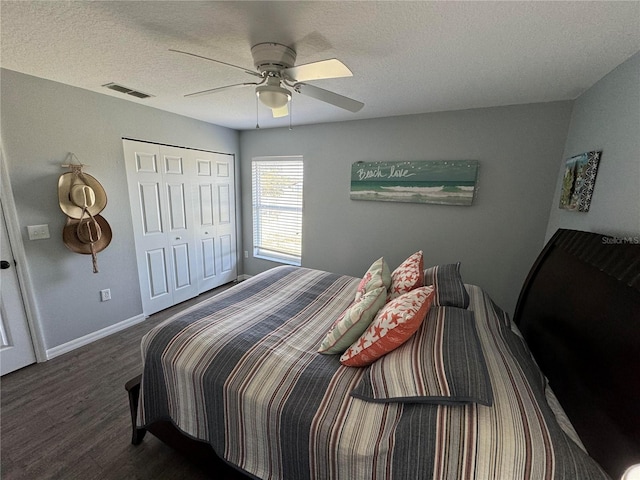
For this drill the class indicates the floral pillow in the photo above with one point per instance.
(353, 321)
(409, 275)
(393, 325)
(377, 276)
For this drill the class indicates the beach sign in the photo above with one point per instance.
(446, 182)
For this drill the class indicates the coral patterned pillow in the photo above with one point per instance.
(407, 276)
(353, 321)
(394, 324)
(377, 276)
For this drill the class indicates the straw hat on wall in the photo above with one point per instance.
(80, 193)
(87, 236)
(80, 235)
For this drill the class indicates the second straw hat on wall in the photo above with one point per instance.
(79, 235)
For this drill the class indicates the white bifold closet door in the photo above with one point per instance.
(183, 212)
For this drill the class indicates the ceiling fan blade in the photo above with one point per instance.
(220, 89)
(280, 112)
(250, 72)
(332, 68)
(329, 97)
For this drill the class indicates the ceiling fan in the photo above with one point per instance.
(276, 70)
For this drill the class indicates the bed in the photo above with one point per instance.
(238, 378)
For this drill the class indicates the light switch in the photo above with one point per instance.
(38, 232)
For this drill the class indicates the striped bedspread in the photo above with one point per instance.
(241, 371)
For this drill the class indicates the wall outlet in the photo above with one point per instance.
(105, 294)
(246, 254)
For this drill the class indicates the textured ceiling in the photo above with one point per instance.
(407, 57)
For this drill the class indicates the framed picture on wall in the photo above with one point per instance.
(578, 181)
(451, 182)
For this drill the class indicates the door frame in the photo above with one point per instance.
(17, 249)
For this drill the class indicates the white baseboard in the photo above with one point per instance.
(243, 277)
(92, 337)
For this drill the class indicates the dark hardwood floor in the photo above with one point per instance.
(68, 418)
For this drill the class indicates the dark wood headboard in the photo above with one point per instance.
(579, 311)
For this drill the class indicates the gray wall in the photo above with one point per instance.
(41, 122)
(521, 150)
(607, 118)
(496, 239)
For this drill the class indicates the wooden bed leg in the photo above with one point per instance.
(133, 388)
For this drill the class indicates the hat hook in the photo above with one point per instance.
(75, 167)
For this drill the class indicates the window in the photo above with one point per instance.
(277, 208)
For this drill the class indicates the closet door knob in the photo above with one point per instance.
(4, 265)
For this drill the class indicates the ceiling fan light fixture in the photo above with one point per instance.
(273, 96)
(275, 65)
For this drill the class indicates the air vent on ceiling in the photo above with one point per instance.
(127, 90)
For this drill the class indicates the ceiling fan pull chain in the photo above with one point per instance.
(257, 123)
(290, 112)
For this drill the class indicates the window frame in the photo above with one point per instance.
(260, 249)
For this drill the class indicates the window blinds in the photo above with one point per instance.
(277, 208)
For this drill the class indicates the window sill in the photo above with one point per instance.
(284, 261)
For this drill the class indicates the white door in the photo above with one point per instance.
(214, 187)
(183, 210)
(179, 214)
(16, 348)
(162, 212)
